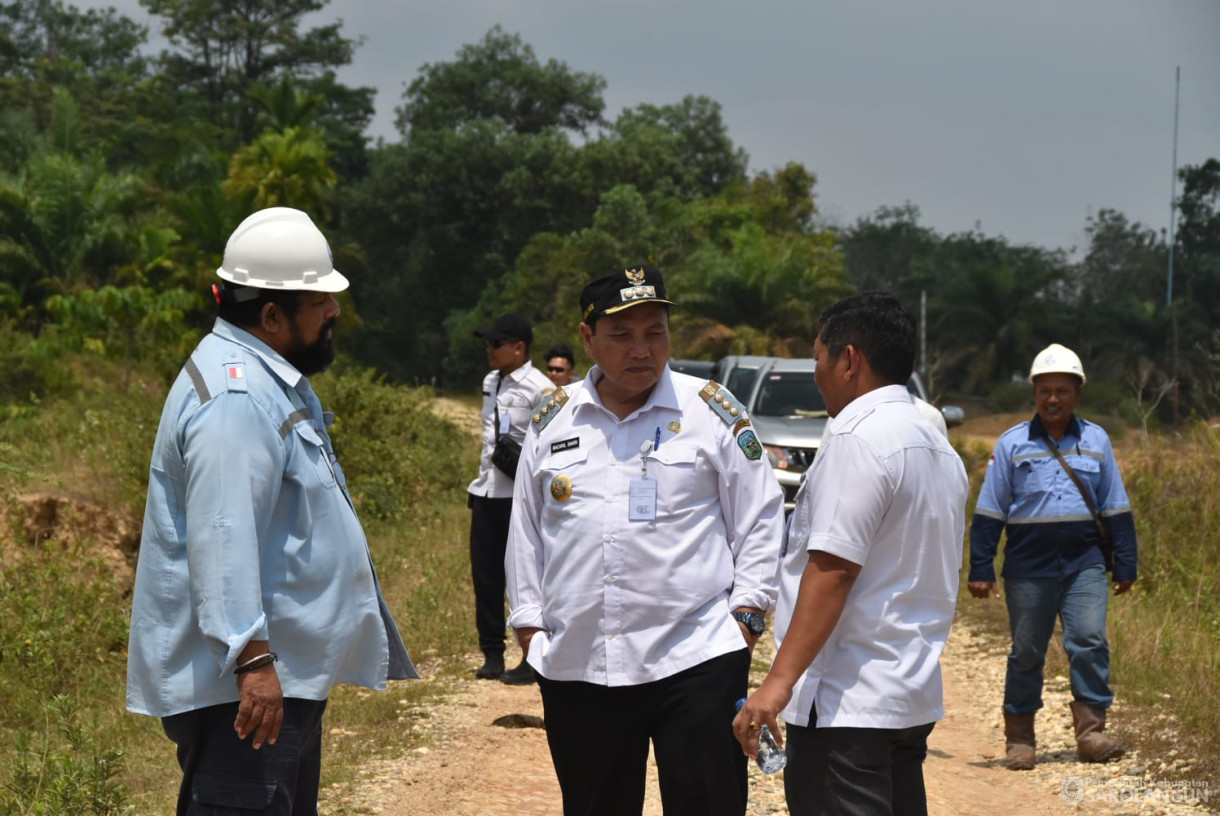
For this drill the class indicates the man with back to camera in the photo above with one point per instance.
(560, 365)
(510, 391)
(255, 593)
(640, 565)
(868, 581)
(1054, 562)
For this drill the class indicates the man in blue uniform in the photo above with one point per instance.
(255, 593)
(1055, 509)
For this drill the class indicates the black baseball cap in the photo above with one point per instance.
(613, 293)
(511, 326)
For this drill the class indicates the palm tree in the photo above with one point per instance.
(286, 168)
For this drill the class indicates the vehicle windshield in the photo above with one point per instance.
(741, 382)
(789, 393)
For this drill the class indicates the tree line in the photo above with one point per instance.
(122, 174)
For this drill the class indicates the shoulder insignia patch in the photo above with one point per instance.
(726, 406)
(235, 375)
(547, 408)
(749, 445)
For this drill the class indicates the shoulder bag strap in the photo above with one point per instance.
(1084, 494)
(496, 402)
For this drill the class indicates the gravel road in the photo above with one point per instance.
(487, 755)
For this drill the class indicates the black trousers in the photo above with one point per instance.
(488, 539)
(223, 775)
(599, 739)
(856, 771)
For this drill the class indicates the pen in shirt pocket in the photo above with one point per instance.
(657, 441)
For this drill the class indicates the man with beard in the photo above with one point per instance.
(255, 593)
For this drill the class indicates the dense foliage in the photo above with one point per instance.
(123, 172)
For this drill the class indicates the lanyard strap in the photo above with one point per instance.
(495, 400)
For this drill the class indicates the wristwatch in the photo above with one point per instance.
(754, 622)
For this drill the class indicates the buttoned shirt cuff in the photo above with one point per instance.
(982, 574)
(526, 617)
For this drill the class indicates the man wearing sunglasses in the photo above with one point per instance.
(561, 365)
(510, 391)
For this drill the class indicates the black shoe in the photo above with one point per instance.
(523, 675)
(492, 668)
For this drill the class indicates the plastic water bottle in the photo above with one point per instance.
(771, 758)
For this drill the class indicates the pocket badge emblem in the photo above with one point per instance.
(561, 488)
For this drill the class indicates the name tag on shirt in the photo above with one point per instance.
(504, 423)
(567, 444)
(643, 497)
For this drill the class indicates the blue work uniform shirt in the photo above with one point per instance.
(250, 534)
(1051, 531)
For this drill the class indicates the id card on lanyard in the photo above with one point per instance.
(642, 492)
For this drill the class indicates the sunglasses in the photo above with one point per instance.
(557, 369)
(497, 343)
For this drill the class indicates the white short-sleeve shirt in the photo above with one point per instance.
(887, 492)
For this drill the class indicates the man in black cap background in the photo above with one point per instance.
(510, 391)
(641, 560)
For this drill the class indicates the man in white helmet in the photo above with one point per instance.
(255, 593)
(1054, 484)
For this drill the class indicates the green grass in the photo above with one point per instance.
(64, 614)
(1165, 635)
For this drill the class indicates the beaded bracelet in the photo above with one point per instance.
(265, 659)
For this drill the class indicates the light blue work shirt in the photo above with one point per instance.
(250, 534)
(1051, 531)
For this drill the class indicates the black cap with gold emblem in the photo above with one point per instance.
(613, 293)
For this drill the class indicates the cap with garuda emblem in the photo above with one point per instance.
(613, 293)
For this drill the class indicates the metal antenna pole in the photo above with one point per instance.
(923, 335)
(1173, 186)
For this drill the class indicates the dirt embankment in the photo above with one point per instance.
(111, 536)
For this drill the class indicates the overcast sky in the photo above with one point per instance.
(1023, 117)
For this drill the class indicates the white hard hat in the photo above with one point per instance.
(280, 248)
(1057, 359)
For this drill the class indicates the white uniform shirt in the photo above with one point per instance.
(628, 602)
(926, 410)
(519, 392)
(889, 493)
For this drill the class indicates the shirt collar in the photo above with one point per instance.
(1036, 431)
(270, 357)
(871, 399)
(662, 396)
(518, 374)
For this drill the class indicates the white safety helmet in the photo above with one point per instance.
(280, 248)
(1057, 359)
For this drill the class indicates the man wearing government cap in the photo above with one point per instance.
(1054, 485)
(255, 593)
(641, 563)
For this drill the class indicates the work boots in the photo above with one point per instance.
(1092, 744)
(1020, 746)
